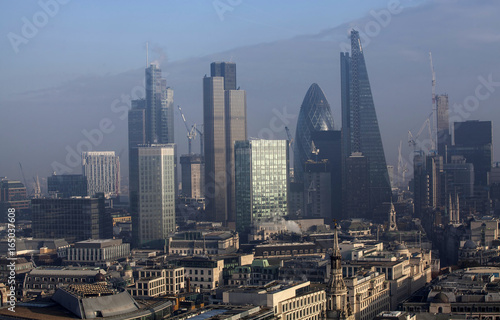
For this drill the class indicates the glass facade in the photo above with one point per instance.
(159, 107)
(261, 181)
(314, 115)
(359, 121)
(67, 185)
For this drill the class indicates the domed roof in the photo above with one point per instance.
(400, 247)
(99, 277)
(441, 298)
(128, 267)
(469, 244)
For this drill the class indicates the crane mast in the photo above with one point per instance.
(434, 105)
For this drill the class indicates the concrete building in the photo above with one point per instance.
(152, 194)
(102, 169)
(100, 252)
(193, 176)
(158, 282)
(368, 294)
(212, 243)
(202, 272)
(299, 300)
(13, 195)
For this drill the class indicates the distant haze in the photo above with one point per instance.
(37, 126)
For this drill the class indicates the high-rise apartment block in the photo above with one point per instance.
(152, 193)
(261, 181)
(102, 169)
(224, 119)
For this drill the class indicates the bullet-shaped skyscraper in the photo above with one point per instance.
(224, 119)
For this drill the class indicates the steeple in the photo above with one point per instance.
(392, 218)
(337, 306)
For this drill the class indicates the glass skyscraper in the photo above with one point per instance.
(360, 129)
(314, 115)
(261, 181)
(159, 107)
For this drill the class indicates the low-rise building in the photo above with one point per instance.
(205, 273)
(368, 294)
(101, 252)
(158, 282)
(213, 243)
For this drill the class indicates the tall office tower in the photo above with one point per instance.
(227, 70)
(428, 180)
(13, 195)
(137, 123)
(224, 119)
(261, 181)
(360, 129)
(473, 140)
(318, 190)
(420, 185)
(193, 176)
(74, 219)
(67, 185)
(159, 108)
(329, 145)
(459, 177)
(356, 200)
(152, 194)
(443, 124)
(337, 304)
(102, 169)
(314, 115)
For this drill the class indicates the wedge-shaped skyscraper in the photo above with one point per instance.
(314, 115)
(360, 129)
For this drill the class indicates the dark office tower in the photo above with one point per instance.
(317, 190)
(193, 175)
(473, 140)
(159, 108)
(420, 185)
(13, 195)
(459, 177)
(74, 219)
(357, 195)
(227, 70)
(314, 115)
(329, 145)
(137, 123)
(443, 124)
(67, 185)
(359, 121)
(224, 119)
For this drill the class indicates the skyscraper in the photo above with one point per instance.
(473, 140)
(159, 107)
(102, 169)
(224, 119)
(360, 129)
(137, 123)
(152, 193)
(443, 124)
(261, 181)
(67, 185)
(193, 176)
(314, 115)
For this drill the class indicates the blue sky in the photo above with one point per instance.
(100, 37)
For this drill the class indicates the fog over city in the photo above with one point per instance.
(68, 75)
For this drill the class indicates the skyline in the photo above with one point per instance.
(411, 85)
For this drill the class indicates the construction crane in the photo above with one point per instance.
(314, 150)
(191, 132)
(38, 190)
(24, 178)
(290, 139)
(434, 105)
(412, 140)
(402, 167)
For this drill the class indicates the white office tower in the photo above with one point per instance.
(152, 193)
(102, 169)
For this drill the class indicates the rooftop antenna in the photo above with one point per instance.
(147, 54)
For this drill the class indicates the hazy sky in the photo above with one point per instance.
(69, 68)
